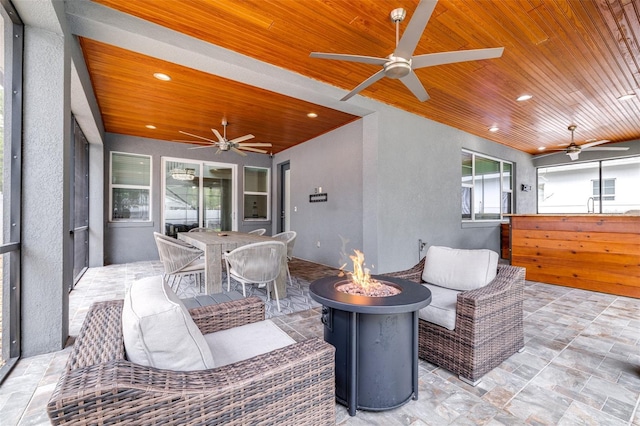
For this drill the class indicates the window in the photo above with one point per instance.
(487, 186)
(606, 186)
(608, 189)
(256, 193)
(130, 187)
(198, 194)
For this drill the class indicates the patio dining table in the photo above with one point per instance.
(214, 244)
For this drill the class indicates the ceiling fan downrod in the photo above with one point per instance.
(397, 16)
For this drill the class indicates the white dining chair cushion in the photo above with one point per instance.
(442, 309)
(247, 341)
(460, 269)
(158, 330)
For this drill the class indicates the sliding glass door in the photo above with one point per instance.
(198, 194)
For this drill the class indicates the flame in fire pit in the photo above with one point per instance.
(361, 281)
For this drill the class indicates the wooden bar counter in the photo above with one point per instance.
(596, 252)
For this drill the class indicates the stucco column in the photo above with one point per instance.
(46, 242)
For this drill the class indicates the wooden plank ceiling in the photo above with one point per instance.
(575, 57)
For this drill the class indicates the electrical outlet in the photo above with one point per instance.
(421, 245)
(318, 244)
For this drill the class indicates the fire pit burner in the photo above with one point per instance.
(376, 341)
(379, 289)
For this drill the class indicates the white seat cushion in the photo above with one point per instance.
(459, 269)
(158, 330)
(442, 309)
(244, 342)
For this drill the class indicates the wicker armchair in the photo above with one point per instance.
(291, 385)
(489, 325)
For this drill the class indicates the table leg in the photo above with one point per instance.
(213, 269)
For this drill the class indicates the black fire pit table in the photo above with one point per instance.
(376, 341)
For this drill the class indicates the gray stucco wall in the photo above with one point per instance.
(405, 171)
(46, 268)
(332, 161)
(133, 241)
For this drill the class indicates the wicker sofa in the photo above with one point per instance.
(488, 325)
(290, 385)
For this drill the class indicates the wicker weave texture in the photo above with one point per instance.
(291, 385)
(489, 325)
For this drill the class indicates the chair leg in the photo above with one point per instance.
(289, 275)
(275, 290)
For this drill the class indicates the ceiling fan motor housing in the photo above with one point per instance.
(397, 67)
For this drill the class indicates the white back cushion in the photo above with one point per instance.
(459, 269)
(158, 330)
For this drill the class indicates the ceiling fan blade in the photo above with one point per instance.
(218, 135)
(590, 144)
(237, 151)
(441, 58)
(196, 136)
(186, 141)
(368, 82)
(415, 28)
(413, 83)
(248, 148)
(204, 146)
(607, 148)
(535, 157)
(255, 144)
(242, 138)
(351, 58)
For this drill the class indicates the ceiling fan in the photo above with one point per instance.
(574, 150)
(236, 145)
(401, 63)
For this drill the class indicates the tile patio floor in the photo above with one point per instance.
(581, 364)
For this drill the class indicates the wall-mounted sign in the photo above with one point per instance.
(318, 198)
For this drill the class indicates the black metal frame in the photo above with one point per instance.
(13, 162)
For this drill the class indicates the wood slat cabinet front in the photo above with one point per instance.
(592, 252)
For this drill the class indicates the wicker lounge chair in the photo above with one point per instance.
(291, 385)
(488, 330)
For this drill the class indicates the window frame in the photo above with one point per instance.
(246, 193)
(113, 186)
(201, 202)
(595, 184)
(471, 185)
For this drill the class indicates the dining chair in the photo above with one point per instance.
(200, 229)
(257, 263)
(259, 231)
(289, 238)
(179, 259)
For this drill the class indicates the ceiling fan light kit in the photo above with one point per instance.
(401, 64)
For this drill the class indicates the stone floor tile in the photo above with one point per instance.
(581, 414)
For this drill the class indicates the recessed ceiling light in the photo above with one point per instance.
(312, 115)
(542, 148)
(626, 97)
(493, 129)
(524, 98)
(161, 76)
(150, 126)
